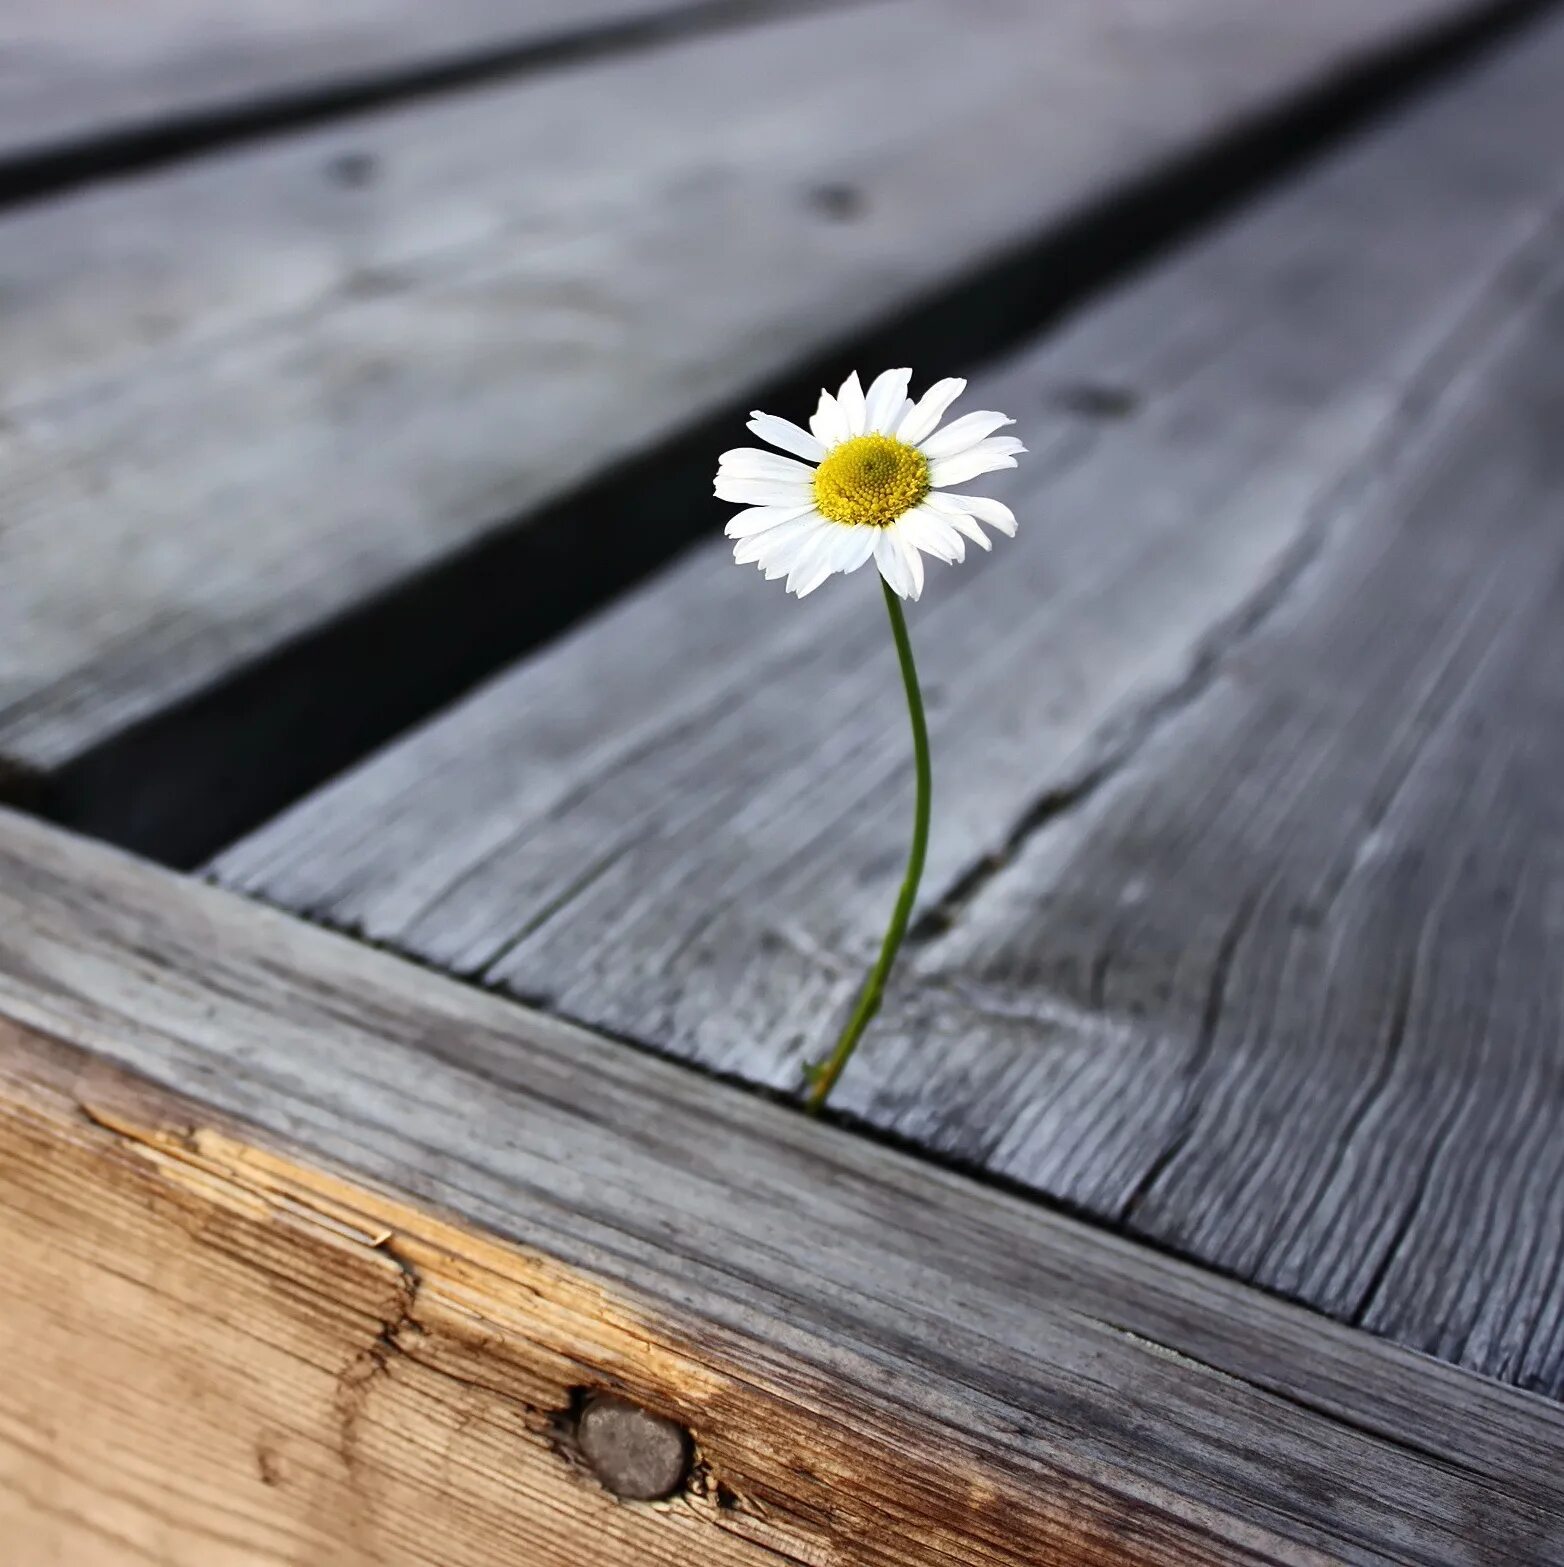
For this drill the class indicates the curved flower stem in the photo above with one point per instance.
(821, 1077)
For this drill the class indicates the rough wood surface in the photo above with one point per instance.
(255, 390)
(878, 1361)
(1242, 920)
(90, 71)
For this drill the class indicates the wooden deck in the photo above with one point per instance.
(1199, 1194)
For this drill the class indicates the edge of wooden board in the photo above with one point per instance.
(228, 1128)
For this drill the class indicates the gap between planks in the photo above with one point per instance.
(185, 93)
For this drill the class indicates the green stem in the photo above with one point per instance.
(822, 1077)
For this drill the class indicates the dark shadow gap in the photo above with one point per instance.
(134, 148)
(184, 783)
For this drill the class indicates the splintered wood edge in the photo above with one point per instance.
(470, 1220)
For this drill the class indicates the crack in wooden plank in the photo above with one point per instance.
(1200, 1055)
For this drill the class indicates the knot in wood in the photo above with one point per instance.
(639, 1456)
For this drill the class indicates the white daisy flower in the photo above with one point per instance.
(869, 479)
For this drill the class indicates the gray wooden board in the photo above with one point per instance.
(242, 395)
(842, 1273)
(1241, 923)
(96, 69)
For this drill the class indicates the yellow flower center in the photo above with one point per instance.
(871, 481)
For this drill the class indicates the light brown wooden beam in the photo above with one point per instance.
(209, 1353)
(301, 1238)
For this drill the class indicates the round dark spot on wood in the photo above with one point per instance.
(352, 170)
(637, 1455)
(839, 202)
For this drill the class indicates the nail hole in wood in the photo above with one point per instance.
(352, 170)
(638, 1456)
(1096, 400)
(839, 202)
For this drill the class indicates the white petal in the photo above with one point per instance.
(885, 402)
(750, 462)
(848, 549)
(855, 548)
(914, 561)
(966, 431)
(796, 545)
(817, 548)
(923, 418)
(841, 549)
(789, 436)
(763, 492)
(786, 560)
(893, 565)
(850, 400)
(811, 569)
(806, 566)
(957, 470)
(758, 518)
(756, 549)
(829, 427)
(983, 507)
(963, 522)
(972, 529)
(775, 543)
(899, 561)
(932, 534)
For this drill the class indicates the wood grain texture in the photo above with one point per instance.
(212, 1355)
(257, 390)
(92, 71)
(1241, 920)
(879, 1362)
(1325, 899)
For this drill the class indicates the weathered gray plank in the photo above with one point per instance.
(256, 390)
(1324, 898)
(1017, 1386)
(686, 824)
(95, 70)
